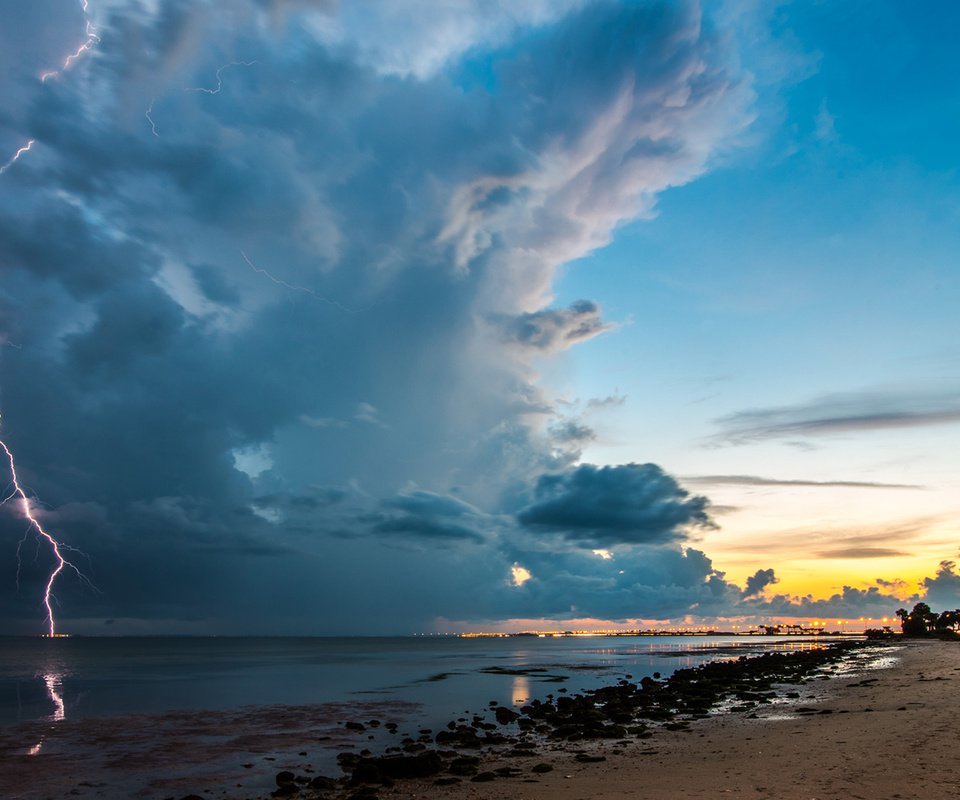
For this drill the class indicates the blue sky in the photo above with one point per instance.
(430, 317)
(819, 260)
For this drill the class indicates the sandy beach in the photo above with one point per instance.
(891, 732)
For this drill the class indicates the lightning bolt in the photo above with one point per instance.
(16, 156)
(56, 547)
(86, 45)
(296, 288)
(219, 79)
(147, 113)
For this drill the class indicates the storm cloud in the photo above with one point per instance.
(276, 281)
(942, 591)
(759, 581)
(627, 504)
(552, 330)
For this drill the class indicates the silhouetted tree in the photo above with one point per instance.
(917, 622)
(948, 620)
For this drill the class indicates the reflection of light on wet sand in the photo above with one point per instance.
(174, 753)
(521, 690)
(52, 682)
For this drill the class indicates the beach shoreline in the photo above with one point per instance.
(890, 732)
(850, 719)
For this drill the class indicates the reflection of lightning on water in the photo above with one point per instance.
(219, 79)
(38, 529)
(52, 681)
(87, 44)
(296, 288)
(16, 156)
(53, 689)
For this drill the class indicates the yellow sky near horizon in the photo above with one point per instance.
(821, 538)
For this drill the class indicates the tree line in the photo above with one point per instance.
(923, 621)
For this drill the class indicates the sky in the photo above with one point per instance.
(403, 317)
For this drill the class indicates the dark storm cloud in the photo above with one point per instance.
(552, 330)
(849, 602)
(571, 430)
(426, 527)
(144, 314)
(53, 242)
(423, 503)
(942, 591)
(651, 582)
(631, 503)
(319, 498)
(428, 515)
(214, 285)
(840, 414)
(759, 581)
(334, 271)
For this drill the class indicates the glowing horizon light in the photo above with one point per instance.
(55, 545)
(520, 575)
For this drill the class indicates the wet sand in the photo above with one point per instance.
(885, 733)
(229, 755)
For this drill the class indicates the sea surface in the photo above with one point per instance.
(96, 677)
(154, 716)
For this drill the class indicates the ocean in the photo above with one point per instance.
(160, 715)
(99, 677)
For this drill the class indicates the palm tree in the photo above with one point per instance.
(918, 621)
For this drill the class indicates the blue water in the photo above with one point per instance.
(91, 677)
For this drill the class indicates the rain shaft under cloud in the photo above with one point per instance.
(274, 281)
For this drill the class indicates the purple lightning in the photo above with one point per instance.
(16, 156)
(87, 44)
(55, 546)
(219, 79)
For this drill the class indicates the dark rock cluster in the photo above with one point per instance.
(620, 713)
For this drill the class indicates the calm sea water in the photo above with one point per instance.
(155, 718)
(90, 677)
